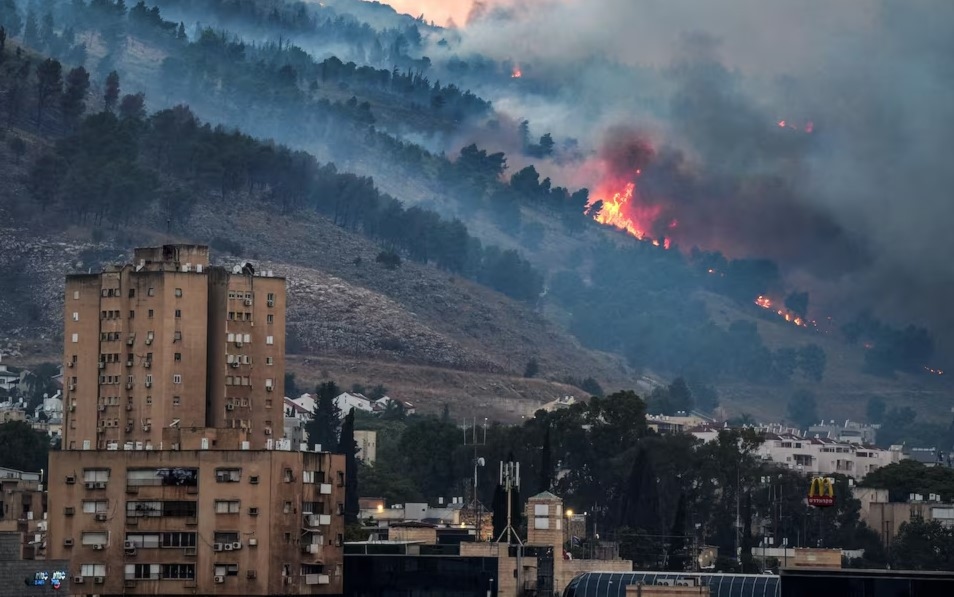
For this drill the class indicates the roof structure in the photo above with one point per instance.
(613, 584)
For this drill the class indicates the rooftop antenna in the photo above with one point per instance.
(476, 441)
(510, 480)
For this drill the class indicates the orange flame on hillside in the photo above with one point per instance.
(620, 210)
(517, 73)
(789, 316)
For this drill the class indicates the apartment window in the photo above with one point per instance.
(178, 539)
(271, 296)
(178, 313)
(142, 571)
(93, 570)
(269, 361)
(247, 337)
(226, 569)
(132, 314)
(75, 316)
(95, 506)
(151, 292)
(289, 475)
(132, 293)
(226, 506)
(225, 537)
(269, 339)
(149, 379)
(178, 571)
(176, 378)
(151, 313)
(268, 403)
(248, 316)
(231, 315)
(228, 475)
(149, 400)
(96, 475)
(231, 337)
(143, 540)
(177, 357)
(76, 295)
(287, 508)
(269, 318)
(175, 401)
(178, 292)
(95, 538)
(75, 338)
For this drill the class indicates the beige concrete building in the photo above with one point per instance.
(174, 478)
(170, 339)
(367, 446)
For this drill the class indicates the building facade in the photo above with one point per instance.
(174, 477)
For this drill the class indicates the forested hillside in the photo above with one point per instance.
(140, 120)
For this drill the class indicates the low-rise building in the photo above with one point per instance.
(851, 432)
(348, 400)
(886, 516)
(367, 445)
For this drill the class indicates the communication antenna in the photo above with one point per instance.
(510, 480)
(475, 441)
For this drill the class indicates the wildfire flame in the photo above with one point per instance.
(789, 316)
(619, 210)
(934, 371)
(517, 73)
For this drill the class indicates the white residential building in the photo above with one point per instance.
(817, 456)
(346, 401)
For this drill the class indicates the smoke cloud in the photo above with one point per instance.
(813, 132)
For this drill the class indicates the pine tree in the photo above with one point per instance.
(74, 98)
(325, 422)
(49, 83)
(111, 96)
(545, 465)
(31, 32)
(677, 560)
(348, 447)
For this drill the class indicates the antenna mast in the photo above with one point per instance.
(510, 480)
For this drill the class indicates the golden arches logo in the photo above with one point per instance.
(821, 492)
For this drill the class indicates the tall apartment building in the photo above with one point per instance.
(172, 479)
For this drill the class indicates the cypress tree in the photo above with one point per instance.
(348, 447)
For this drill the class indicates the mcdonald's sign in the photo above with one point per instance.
(821, 494)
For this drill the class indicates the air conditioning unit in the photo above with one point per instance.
(147, 364)
(99, 580)
(90, 485)
(268, 431)
(235, 364)
(72, 387)
(67, 543)
(253, 542)
(129, 545)
(102, 365)
(313, 548)
(253, 511)
(251, 574)
(69, 511)
(78, 580)
(219, 580)
(216, 547)
(148, 341)
(101, 430)
(129, 407)
(248, 302)
(229, 407)
(99, 485)
(239, 343)
(146, 427)
(69, 364)
(129, 363)
(189, 551)
(101, 517)
(98, 546)
(101, 407)
(227, 547)
(70, 479)
(148, 384)
(271, 303)
(269, 388)
(237, 545)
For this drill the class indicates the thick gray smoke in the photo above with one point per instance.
(852, 195)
